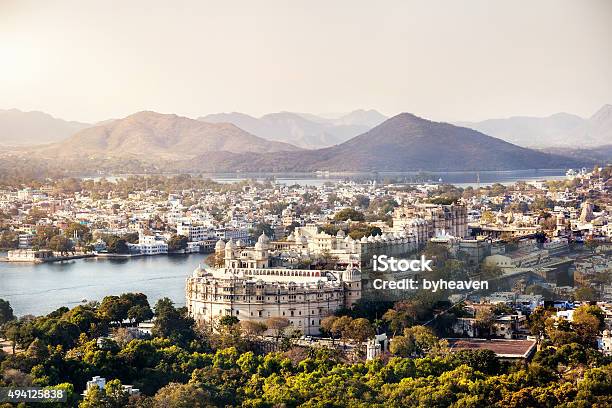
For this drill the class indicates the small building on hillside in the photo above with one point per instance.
(504, 349)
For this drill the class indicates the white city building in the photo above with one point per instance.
(149, 245)
(194, 232)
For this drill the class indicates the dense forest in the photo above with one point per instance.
(184, 364)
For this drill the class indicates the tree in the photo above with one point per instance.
(113, 396)
(11, 331)
(9, 240)
(61, 244)
(361, 200)
(172, 323)
(43, 236)
(62, 332)
(356, 231)
(138, 308)
(228, 320)
(360, 330)
(437, 252)
(587, 323)
(6, 312)
(326, 326)
(341, 327)
(417, 341)
(537, 320)
(116, 245)
(227, 333)
(80, 231)
(177, 395)
(131, 237)
(253, 329)
(499, 309)
(177, 243)
(403, 314)
(534, 289)
(262, 228)
(139, 313)
(488, 271)
(487, 217)
(122, 336)
(84, 316)
(114, 309)
(278, 325)
(585, 293)
(400, 346)
(484, 321)
(349, 214)
(485, 361)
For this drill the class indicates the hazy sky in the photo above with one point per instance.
(445, 60)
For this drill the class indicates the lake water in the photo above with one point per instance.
(459, 178)
(41, 288)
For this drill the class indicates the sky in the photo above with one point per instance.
(445, 60)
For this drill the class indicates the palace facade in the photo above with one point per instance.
(250, 287)
(425, 221)
(276, 279)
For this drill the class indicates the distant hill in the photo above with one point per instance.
(156, 136)
(303, 130)
(361, 117)
(402, 143)
(597, 129)
(19, 128)
(600, 154)
(559, 130)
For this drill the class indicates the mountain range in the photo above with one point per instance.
(308, 131)
(155, 136)
(304, 130)
(558, 130)
(404, 142)
(19, 128)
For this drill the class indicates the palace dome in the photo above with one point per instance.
(220, 245)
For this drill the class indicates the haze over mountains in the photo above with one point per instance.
(355, 142)
(304, 130)
(156, 136)
(404, 142)
(19, 128)
(558, 130)
(311, 131)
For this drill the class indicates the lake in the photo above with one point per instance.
(41, 288)
(459, 178)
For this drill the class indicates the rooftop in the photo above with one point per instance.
(501, 347)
